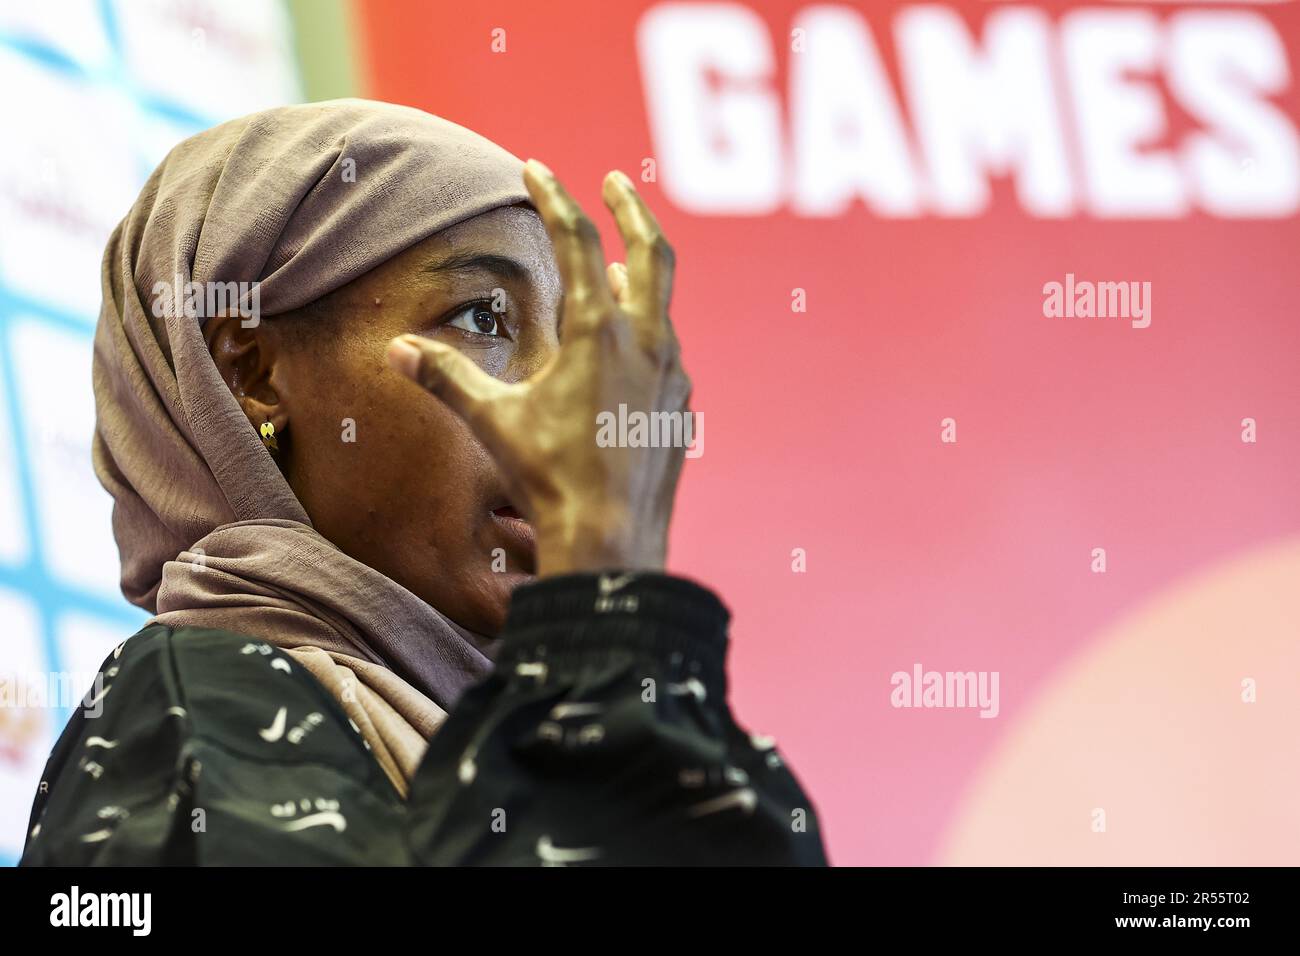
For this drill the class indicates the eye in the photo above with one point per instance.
(477, 317)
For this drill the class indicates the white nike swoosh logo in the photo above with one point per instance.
(609, 585)
(560, 711)
(745, 799)
(98, 697)
(548, 852)
(280, 664)
(693, 686)
(329, 818)
(276, 730)
(101, 742)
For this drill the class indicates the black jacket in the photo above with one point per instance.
(603, 736)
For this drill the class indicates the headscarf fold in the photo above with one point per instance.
(301, 200)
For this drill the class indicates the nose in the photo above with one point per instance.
(536, 349)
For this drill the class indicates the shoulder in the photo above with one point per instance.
(237, 692)
(183, 719)
(157, 647)
(199, 666)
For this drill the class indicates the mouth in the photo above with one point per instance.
(521, 533)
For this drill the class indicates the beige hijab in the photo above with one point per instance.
(300, 200)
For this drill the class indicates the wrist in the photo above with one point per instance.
(597, 540)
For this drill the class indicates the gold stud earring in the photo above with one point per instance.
(268, 437)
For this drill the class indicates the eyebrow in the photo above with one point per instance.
(503, 267)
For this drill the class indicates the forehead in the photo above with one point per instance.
(511, 241)
(511, 232)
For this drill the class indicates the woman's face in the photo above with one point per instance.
(385, 470)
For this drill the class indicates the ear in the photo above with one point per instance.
(249, 363)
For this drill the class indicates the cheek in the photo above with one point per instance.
(418, 470)
(396, 480)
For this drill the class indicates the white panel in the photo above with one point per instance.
(13, 537)
(236, 55)
(84, 642)
(26, 734)
(74, 513)
(77, 31)
(65, 182)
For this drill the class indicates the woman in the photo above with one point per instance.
(406, 608)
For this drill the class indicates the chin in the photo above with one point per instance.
(507, 582)
(487, 613)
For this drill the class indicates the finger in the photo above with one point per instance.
(650, 259)
(446, 373)
(616, 272)
(577, 248)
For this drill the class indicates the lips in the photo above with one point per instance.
(516, 528)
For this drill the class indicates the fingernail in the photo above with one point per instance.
(404, 357)
(541, 168)
(623, 179)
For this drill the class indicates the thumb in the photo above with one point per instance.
(446, 373)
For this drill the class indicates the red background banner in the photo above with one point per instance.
(922, 218)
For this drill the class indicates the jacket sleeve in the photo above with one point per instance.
(604, 736)
(201, 747)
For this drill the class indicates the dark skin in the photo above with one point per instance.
(462, 494)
